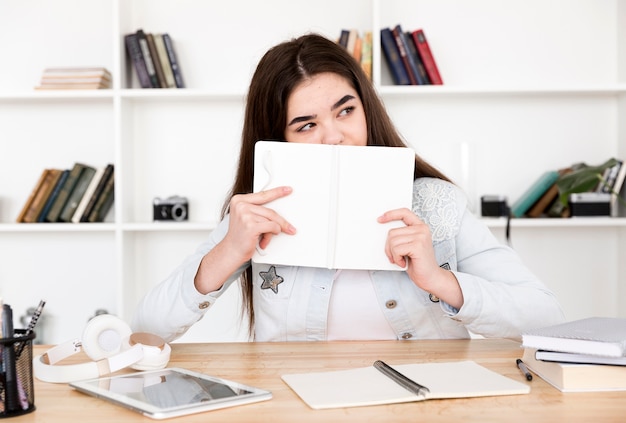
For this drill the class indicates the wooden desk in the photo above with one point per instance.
(262, 364)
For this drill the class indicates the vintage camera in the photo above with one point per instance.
(494, 206)
(174, 208)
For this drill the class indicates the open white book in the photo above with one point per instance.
(367, 386)
(338, 194)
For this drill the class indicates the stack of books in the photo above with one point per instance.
(154, 59)
(80, 194)
(359, 46)
(579, 356)
(78, 78)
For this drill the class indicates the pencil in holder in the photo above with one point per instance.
(17, 390)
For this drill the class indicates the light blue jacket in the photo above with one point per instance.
(502, 297)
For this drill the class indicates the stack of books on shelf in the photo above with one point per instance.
(579, 356)
(80, 194)
(76, 78)
(359, 46)
(154, 59)
(409, 57)
(543, 198)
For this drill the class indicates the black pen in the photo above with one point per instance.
(408, 384)
(524, 369)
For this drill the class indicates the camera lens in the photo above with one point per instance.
(179, 212)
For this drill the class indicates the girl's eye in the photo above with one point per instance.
(306, 127)
(346, 111)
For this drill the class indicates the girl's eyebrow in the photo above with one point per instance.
(335, 106)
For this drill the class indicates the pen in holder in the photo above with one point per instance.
(17, 391)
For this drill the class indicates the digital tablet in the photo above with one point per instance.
(170, 392)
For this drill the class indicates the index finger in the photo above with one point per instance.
(265, 196)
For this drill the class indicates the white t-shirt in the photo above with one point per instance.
(354, 312)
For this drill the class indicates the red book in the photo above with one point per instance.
(427, 57)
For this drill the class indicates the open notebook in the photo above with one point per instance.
(338, 193)
(367, 386)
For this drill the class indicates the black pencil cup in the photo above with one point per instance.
(17, 390)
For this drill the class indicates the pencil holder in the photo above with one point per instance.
(17, 391)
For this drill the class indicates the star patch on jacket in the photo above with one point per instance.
(271, 280)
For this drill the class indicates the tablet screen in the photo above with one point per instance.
(171, 392)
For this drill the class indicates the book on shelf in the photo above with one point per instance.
(328, 210)
(145, 51)
(38, 196)
(344, 34)
(426, 54)
(75, 78)
(74, 197)
(156, 61)
(64, 193)
(104, 202)
(97, 192)
(366, 54)
(165, 63)
(576, 377)
(603, 336)
(421, 70)
(353, 37)
(543, 204)
(173, 59)
(534, 193)
(408, 59)
(137, 60)
(53, 195)
(364, 386)
(84, 200)
(392, 57)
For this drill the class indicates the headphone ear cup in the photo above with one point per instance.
(156, 352)
(104, 336)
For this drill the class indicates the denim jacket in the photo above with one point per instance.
(502, 297)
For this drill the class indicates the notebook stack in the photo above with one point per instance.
(579, 356)
(79, 78)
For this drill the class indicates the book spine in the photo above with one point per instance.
(392, 55)
(171, 55)
(532, 194)
(366, 54)
(422, 75)
(427, 57)
(39, 202)
(77, 194)
(165, 63)
(145, 51)
(108, 173)
(68, 186)
(104, 202)
(86, 197)
(343, 38)
(156, 61)
(53, 196)
(31, 197)
(138, 62)
(403, 48)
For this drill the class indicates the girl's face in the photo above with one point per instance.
(325, 109)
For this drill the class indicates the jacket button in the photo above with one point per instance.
(406, 335)
(204, 305)
(433, 298)
(391, 304)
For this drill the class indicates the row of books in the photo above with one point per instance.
(409, 57)
(75, 78)
(578, 356)
(359, 46)
(542, 198)
(154, 59)
(81, 194)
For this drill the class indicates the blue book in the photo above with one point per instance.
(534, 193)
(53, 196)
(392, 54)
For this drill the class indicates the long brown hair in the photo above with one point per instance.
(278, 73)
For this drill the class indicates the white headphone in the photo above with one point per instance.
(110, 343)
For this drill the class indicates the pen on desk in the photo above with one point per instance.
(524, 369)
(31, 325)
(401, 379)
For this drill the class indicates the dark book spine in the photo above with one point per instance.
(422, 75)
(427, 57)
(143, 45)
(409, 64)
(104, 202)
(108, 173)
(53, 195)
(155, 60)
(64, 193)
(171, 55)
(137, 60)
(77, 194)
(392, 55)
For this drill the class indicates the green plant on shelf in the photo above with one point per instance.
(585, 178)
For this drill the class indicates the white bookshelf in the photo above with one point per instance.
(524, 91)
